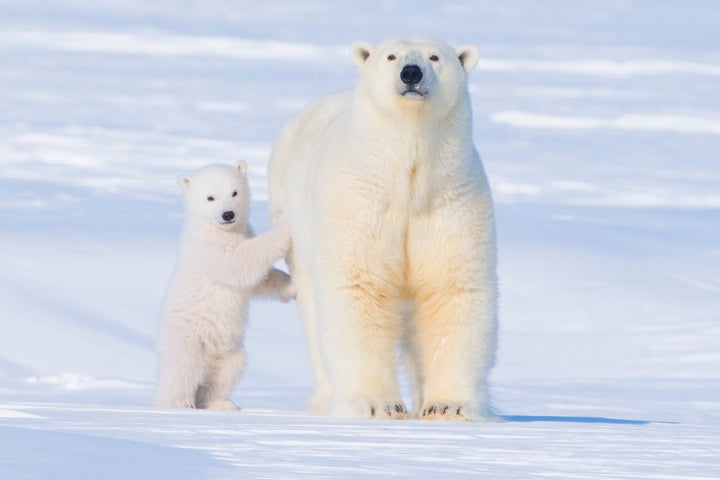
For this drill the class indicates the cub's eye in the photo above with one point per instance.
(234, 194)
(210, 199)
(434, 58)
(391, 57)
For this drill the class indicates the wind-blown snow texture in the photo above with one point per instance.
(599, 126)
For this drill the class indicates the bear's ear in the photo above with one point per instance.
(241, 167)
(360, 52)
(183, 182)
(468, 56)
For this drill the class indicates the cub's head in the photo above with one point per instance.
(417, 74)
(218, 194)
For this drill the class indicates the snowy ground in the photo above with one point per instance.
(599, 125)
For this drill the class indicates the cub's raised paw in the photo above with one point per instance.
(289, 293)
(277, 284)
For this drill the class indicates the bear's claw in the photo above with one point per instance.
(443, 411)
(390, 411)
(396, 410)
(372, 408)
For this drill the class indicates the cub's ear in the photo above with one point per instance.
(468, 56)
(183, 182)
(241, 167)
(360, 52)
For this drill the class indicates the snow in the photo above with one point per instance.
(668, 123)
(599, 126)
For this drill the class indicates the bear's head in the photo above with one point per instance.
(417, 75)
(218, 194)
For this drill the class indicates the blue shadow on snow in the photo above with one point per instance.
(550, 418)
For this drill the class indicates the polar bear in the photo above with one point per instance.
(393, 236)
(221, 265)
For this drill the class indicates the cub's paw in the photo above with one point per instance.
(372, 408)
(449, 411)
(287, 292)
(277, 284)
(221, 405)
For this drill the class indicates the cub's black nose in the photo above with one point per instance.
(411, 74)
(228, 216)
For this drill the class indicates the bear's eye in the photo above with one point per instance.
(391, 57)
(234, 194)
(434, 58)
(210, 199)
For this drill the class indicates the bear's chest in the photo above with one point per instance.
(410, 189)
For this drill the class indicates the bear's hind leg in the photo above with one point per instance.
(222, 374)
(179, 375)
(302, 281)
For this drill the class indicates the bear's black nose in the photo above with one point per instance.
(228, 216)
(411, 74)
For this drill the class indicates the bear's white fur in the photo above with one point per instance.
(221, 265)
(393, 234)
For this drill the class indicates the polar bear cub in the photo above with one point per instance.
(221, 265)
(393, 234)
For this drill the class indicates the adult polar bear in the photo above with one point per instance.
(393, 235)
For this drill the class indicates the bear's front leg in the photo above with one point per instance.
(358, 269)
(455, 335)
(454, 326)
(359, 331)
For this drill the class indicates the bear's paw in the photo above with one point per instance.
(449, 411)
(374, 408)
